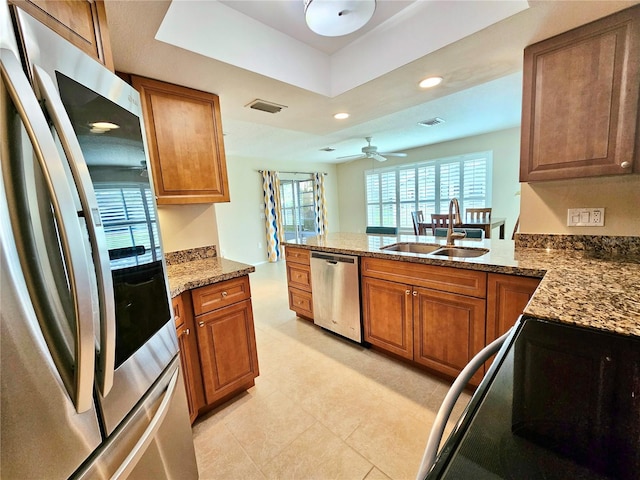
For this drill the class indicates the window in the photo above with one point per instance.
(129, 221)
(298, 211)
(393, 193)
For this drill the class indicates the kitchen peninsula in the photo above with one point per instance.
(589, 282)
(211, 300)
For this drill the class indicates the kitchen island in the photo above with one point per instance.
(590, 288)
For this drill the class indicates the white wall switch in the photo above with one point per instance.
(585, 217)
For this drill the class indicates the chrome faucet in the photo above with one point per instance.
(451, 235)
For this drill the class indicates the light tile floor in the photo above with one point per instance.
(322, 407)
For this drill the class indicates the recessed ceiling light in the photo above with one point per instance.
(430, 82)
(341, 116)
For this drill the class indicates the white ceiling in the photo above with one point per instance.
(243, 50)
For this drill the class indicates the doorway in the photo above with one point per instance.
(298, 211)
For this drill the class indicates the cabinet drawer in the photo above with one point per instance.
(446, 279)
(218, 295)
(301, 302)
(297, 255)
(299, 276)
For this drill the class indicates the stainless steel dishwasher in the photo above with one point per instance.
(336, 294)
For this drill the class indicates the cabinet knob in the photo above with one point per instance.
(407, 292)
(201, 324)
(415, 294)
(187, 331)
(224, 294)
(625, 164)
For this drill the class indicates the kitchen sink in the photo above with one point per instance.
(460, 252)
(412, 247)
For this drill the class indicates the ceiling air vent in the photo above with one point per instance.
(431, 122)
(265, 106)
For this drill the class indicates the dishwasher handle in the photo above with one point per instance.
(333, 259)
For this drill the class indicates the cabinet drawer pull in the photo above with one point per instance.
(224, 294)
(201, 324)
(625, 164)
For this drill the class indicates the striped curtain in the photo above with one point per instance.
(320, 203)
(273, 214)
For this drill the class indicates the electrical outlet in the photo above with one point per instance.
(585, 217)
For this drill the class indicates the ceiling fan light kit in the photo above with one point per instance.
(334, 18)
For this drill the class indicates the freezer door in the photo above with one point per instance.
(153, 441)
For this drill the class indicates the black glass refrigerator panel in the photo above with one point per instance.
(110, 138)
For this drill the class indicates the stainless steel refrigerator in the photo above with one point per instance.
(90, 374)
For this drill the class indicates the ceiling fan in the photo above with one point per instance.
(371, 151)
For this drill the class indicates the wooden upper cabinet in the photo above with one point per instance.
(580, 101)
(184, 133)
(81, 22)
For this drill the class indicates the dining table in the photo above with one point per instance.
(486, 224)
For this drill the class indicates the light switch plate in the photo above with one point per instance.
(585, 217)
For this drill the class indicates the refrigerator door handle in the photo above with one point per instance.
(57, 113)
(70, 233)
(147, 437)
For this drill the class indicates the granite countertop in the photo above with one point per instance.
(578, 287)
(194, 273)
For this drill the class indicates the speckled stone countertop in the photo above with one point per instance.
(203, 271)
(579, 287)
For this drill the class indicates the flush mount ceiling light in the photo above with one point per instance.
(431, 122)
(341, 116)
(430, 82)
(333, 18)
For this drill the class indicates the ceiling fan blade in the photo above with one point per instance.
(392, 154)
(378, 157)
(360, 155)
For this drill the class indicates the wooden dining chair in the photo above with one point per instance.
(417, 218)
(478, 214)
(439, 220)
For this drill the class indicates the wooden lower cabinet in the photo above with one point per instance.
(507, 295)
(387, 312)
(448, 331)
(440, 330)
(189, 357)
(218, 351)
(228, 355)
(299, 281)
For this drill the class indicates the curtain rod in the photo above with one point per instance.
(297, 173)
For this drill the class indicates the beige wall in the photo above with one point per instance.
(505, 145)
(187, 226)
(544, 205)
(241, 227)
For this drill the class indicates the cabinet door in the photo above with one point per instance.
(188, 363)
(81, 22)
(507, 295)
(189, 360)
(580, 101)
(228, 354)
(184, 133)
(387, 316)
(448, 331)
